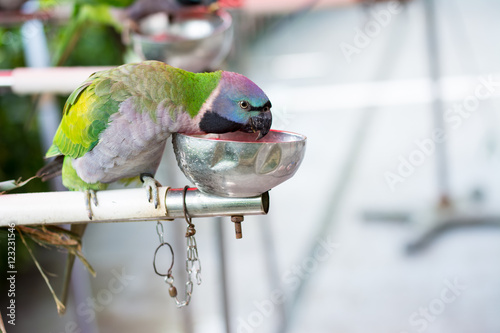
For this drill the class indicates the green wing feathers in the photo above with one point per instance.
(85, 116)
(88, 109)
(149, 84)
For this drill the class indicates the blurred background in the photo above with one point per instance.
(389, 224)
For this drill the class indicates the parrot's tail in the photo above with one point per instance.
(51, 169)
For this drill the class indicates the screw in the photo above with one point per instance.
(237, 219)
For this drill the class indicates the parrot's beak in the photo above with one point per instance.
(260, 123)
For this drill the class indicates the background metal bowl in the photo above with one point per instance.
(235, 164)
(195, 42)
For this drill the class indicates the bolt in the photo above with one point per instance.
(237, 219)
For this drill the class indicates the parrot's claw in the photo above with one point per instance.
(90, 195)
(151, 185)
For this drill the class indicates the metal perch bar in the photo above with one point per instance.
(122, 206)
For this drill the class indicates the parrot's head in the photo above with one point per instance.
(237, 104)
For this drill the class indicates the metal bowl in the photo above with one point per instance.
(236, 164)
(195, 41)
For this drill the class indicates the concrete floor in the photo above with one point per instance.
(361, 279)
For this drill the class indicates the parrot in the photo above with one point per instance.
(115, 124)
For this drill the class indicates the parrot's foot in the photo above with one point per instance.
(151, 185)
(90, 195)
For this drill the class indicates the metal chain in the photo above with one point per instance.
(193, 267)
(160, 231)
(193, 264)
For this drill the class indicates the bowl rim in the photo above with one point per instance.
(226, 23)
(203, 137)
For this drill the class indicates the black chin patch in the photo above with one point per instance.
(214, 123)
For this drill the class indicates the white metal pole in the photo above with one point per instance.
(39, 80)
(56, 80)
(121, 206)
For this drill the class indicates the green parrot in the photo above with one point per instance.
(115, 125)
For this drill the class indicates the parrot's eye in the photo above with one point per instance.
(266, 109)
(244, 105)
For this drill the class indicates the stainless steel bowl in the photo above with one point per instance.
(236, 164)
(192, 41)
